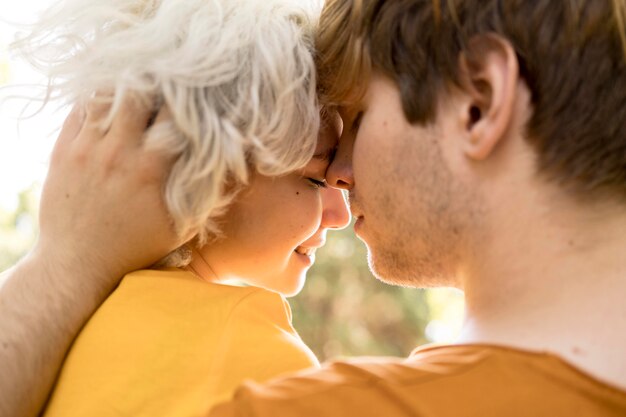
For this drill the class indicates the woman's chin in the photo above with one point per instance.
(288, 283)
(292, 286)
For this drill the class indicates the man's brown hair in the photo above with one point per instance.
(571, 53)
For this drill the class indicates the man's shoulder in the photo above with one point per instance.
(436, 381)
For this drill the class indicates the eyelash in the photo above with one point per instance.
(317, 183)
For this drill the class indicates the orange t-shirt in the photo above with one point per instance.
(436, 381)
(166, 343)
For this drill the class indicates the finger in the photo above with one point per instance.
(165, 157)
(71, 128)
(162, 122)
(97, 109)
(158, 160)
(131, 119)
(163, 115)
(72, 124)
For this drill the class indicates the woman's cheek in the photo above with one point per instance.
(313, 211)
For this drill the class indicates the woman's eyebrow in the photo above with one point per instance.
(325, 155)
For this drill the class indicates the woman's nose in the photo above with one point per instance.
(335, 213)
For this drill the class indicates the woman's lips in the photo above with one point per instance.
(308, 251)
(306, 255)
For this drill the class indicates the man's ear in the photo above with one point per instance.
(489, 76)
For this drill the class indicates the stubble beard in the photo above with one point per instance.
(419, 242)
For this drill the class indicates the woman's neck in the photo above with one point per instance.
(200, 267)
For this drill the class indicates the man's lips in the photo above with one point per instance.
(358, 224)
(355, 211)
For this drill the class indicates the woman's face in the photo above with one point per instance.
(275, 225)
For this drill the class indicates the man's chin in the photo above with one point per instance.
(388, 268)
(381, 268)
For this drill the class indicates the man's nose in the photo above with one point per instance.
(335, 213)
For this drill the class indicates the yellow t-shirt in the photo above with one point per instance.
(439, 381)
(166, 343)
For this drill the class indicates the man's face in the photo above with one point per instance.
(411, 211)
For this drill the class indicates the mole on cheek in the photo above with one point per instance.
(297, 192)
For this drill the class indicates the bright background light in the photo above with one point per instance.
(24, 146)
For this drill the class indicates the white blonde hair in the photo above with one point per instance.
(236, 75)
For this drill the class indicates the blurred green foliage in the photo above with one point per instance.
(18, 227)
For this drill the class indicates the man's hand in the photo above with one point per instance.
(102, 206)
(102, 215)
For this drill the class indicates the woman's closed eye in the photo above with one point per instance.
(317, 183)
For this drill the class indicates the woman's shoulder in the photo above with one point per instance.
(232, 317)
(162, 329)
(178, 276)
(175, 284)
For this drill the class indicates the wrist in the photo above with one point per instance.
(68, 277)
